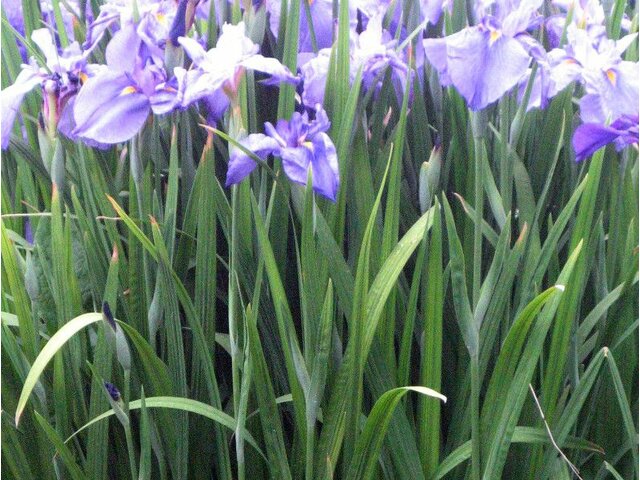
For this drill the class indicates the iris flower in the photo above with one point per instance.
(220, 68)
(587, 15)
(610, 83)
(64, 73)
(303, 146)
(487, 60)
(113, 106)
(152, 20)
(373, 50)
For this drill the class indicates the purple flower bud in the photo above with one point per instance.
(113, 391)
(28, 232)
(108, 316)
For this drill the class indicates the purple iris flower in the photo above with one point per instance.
(556, 70)
(590, 137)
(373, 50)
(585, 14)
(303, 146)
(152, 19)
(219, 69)
(113, 106)
(610, 83)
(487, 60)
(61, 79)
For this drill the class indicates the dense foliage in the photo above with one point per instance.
(326, 239)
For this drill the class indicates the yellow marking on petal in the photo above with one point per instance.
(570, 61)
(83, 77)
(308, 145)
(128, 90)
(582, 23)
(494, 36)
(612, 76)
(161, 17)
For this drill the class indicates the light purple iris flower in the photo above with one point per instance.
(152, 20)
(303, 146)
(373, 50)
(65, 70)
(113, 106)
(590, 137)
(487, 60)
(610, 83)
(587, 15)
(219, 69)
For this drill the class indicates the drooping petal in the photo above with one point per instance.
(109, 109)
(296, 162)
(67, 126)
(325, 170)
(11, 98)
(483, 68)
(590, 137)
(241, 164)
(435, 49)
(610, 94)
(196, 53)
(279, 73)
(216, 105)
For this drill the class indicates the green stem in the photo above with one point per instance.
(475, 419)
(477, 125)
(311, 437)
(127, 428)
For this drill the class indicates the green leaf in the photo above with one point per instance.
(55, 343)
(368, 447)
(183, 405)
(61, 449)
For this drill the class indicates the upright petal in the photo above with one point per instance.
(42, 38)
(432, 10)
(122, 51)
